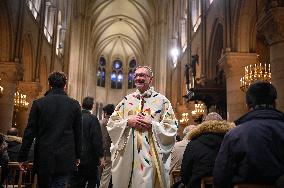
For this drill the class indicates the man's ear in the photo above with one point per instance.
(151, 79)
(248, 107)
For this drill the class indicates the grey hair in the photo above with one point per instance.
(146, 67)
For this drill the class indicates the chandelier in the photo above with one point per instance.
(1, 89)
(199, 109)
(184, 118)
(255, 72)
(20, 102)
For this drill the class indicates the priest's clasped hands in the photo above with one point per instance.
(140, 122)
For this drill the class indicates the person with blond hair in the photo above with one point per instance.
(178, 150)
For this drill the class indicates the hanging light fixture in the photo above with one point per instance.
(20, 102)
(198, 110)
(258, 71)
(184, 118)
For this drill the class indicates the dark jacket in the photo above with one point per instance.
(254, 151)
(92, 144)
(201, 151)
(55, 122)
(14, 146)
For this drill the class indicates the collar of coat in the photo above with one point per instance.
(146, 94)
(86, 111)
(261, 113)
(10, 138)
(55, 91)
(218, 127)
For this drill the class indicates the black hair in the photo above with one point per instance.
(12, 131)
(88, 103)
(2, 139)
(108, 109)
(261, 93)
(57, 80)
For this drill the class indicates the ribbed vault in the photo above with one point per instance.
(121, 27)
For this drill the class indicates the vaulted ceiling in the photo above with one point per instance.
(121, 27)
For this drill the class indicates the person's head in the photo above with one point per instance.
(261, 93)
(108, 109)
(88, 103)
(12, 131)
(143, 77)
(213, 116)
(57, 80)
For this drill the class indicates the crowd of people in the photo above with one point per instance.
(134, 145)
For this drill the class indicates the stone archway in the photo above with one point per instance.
(5, 36)
(43, 74)
(27, 59)
(244, 26)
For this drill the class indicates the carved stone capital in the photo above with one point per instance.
(233, 63)
(31, 89)
(11, 72)
(271, 25)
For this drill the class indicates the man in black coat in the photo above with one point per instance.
(92, 149)
(253, 152)
(55, 121)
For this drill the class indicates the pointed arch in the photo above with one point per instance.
(216, 48)
(6, 33)
(43, 74)
(27, 58)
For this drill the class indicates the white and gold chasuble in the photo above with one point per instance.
(141, 159)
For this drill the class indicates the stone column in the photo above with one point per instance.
(233, 64)
(272, 26)
(32, 90)
(10, 73)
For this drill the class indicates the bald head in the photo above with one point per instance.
(12, 131)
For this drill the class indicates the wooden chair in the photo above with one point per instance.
(207, 181)
(19, 179)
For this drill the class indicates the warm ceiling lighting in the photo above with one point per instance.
(174, 54)
(20, 102)
(255, 72)
(1, 89)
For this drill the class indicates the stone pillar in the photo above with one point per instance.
(10, 73)
(32, 90)
(233, 64)
(272, 26)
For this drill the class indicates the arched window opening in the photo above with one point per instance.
(101, 73)
(49, 21)
(116, 76)
(132, 66)
(34, 6)
(196, 14)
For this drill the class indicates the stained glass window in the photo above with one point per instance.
(101, 73)
(132, 66)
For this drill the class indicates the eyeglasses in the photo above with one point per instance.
(140, 75)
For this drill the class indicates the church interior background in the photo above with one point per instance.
(198, 49)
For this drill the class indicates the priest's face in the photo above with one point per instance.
(142, 79)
